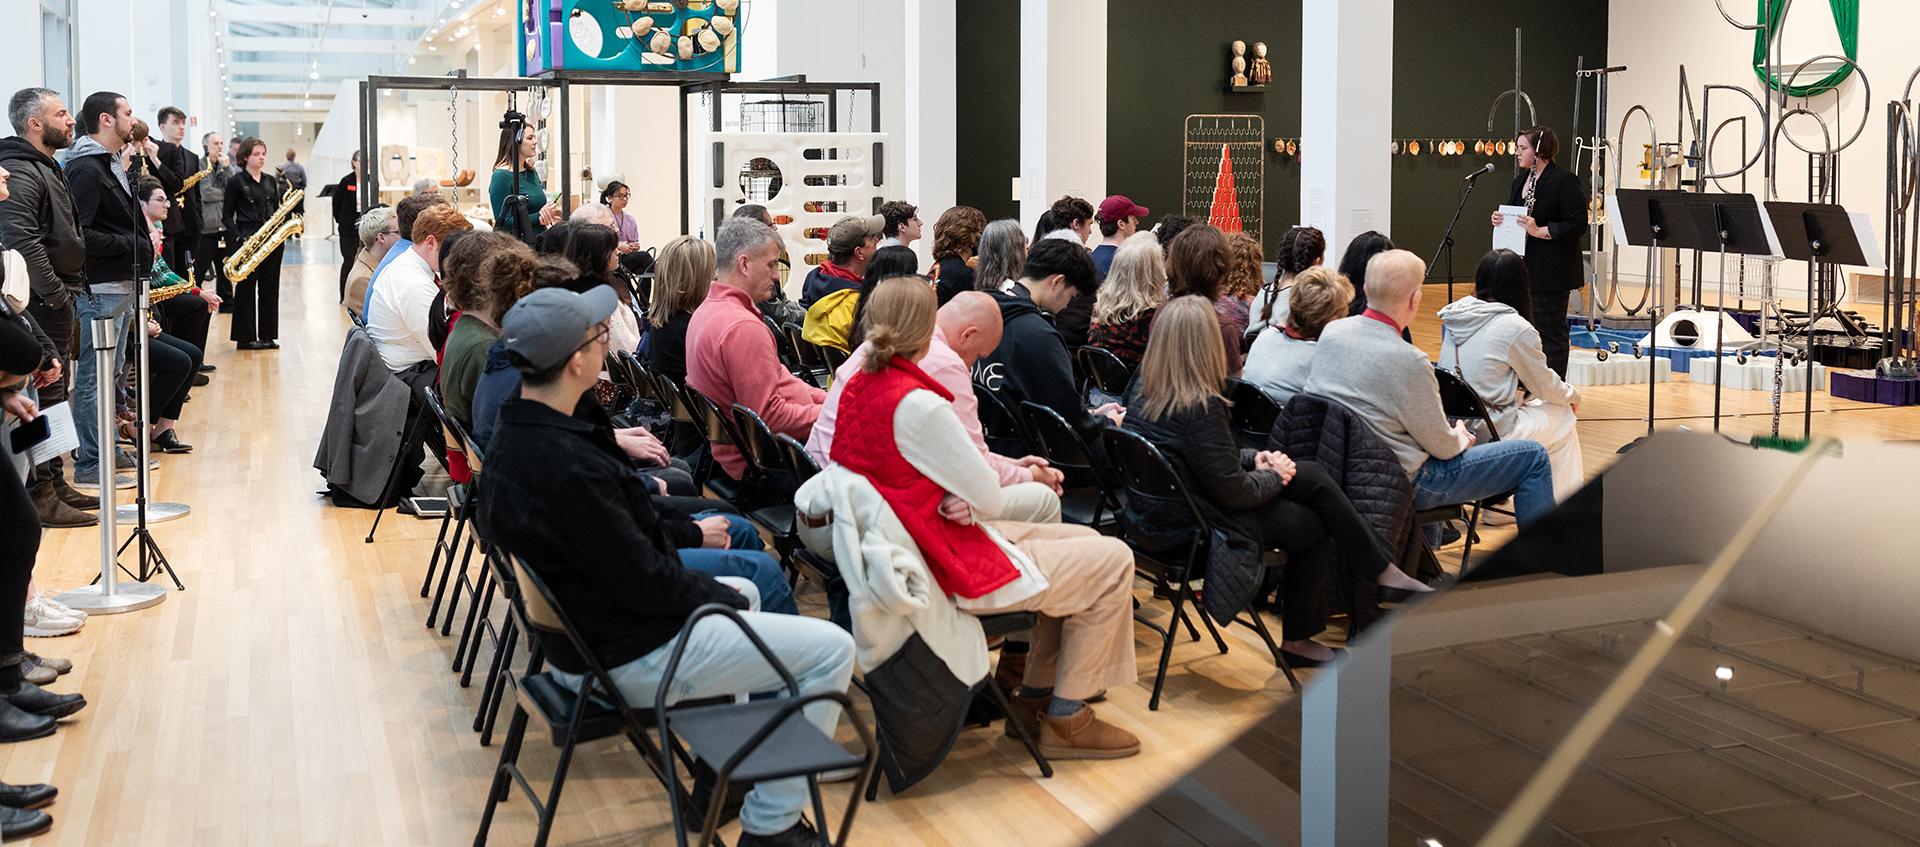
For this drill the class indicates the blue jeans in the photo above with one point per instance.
(719, 661)
(759, 568)
(1485, 470)
(87, 383)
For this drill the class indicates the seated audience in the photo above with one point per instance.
(379, 231)
(1136, 286)
(1365, 364)
(1170, 227)
(898, 429)
(1119, 219)
(553, 241)
(592, 213)
(782, 310)
(426, 185)
(1031, 363)
(595, 249)
(1262, 497)
(1044, 226)
(560, 493)
(1243, 281)
(681, 282)
(443, 315)
(488, 273)
(1197, 263)
(902, 226)
(1003, 251)
(1488, 339)
(888, 263)
(499, 381)
(967, 328)
(1072, 220)
(174, 363)
(399, 306)
(1302, 247)
(731, 357)
(1354, 263)
(405, 213)
(1282, 356)
(956, 239)
(851, 242)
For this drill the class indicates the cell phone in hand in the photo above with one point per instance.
(30, 433)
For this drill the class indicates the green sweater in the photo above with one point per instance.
(502, 187)
(461, 360)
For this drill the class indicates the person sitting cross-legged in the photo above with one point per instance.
(1365, 364)
(561, 494)
(897, 428)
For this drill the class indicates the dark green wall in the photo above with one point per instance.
(987, 156)
(1165, 64)
(1451, 58)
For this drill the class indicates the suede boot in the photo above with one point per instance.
(1027, 711)
(73, 496)
(55, 514)
(1083, 736)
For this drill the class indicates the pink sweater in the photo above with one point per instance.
(946, 368)
(731, 359)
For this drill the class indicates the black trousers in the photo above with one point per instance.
(185, 317)
(20, 526)
(207, 261)
(1313, 520)
(1550, 318)
(173, 363)
(178, 253)
(256, 301)
(421, 376)
(58, 324)
(349, 248)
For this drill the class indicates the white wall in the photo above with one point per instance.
(1653, 38)
(1063, 104)
(1346, 110)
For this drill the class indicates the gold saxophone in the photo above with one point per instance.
(195, 179)
(282, 226)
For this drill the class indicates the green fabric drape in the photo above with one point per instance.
(1846, 19)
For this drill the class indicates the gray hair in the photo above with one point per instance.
(27, 103)
(592, 213)
(1002, 252)
(426, 185)
(372, 222)
(740, 237)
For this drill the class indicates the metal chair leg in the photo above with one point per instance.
(477, 608)
(1260, 626)
(1166, 653)
(446, 573)
(1032, 745)
(393, 474)
(1206, 619)
(439, 543)
(460, 581)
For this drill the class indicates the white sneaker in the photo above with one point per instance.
(42, 624)
(60, 609)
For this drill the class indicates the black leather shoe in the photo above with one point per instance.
(206, 369)
(19, 725)
(1297, 661)
(20, 823)
(169, 442)
(801, 834)
(201, 379)
(269, 345)
(26, 796)
(39, 701)
(248, 345)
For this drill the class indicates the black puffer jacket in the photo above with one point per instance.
(116, 233)
(1200, 444)
(1315, 429)
(38, 220)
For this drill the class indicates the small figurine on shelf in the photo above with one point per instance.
(1262, 70)
(1239, 63)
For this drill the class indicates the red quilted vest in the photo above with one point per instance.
(962, 557)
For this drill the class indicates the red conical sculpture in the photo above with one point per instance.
(1225, 212)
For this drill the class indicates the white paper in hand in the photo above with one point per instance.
(61, 436)
(1510, 235)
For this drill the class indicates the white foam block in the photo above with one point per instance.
(1585, 368)
(1757, 373)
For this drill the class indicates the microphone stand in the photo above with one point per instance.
(1446, 241)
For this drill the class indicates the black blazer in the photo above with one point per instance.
(1560, 205)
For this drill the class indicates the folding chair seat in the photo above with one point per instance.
(1002, 429)
(1105, 372)
(773, 466)
(1253, 413)
(1089, 498)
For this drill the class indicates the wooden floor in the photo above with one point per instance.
(291, 695)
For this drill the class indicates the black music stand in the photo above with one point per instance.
(1821, 233)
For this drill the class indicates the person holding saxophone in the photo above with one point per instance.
(254, 197)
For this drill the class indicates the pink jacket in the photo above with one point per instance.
(731, 359)
(946, 368)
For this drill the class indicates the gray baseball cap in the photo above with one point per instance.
(545, 327)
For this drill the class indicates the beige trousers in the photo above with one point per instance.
(1083, 642)
(1029, 502)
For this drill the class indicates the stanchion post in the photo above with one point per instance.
(108, 596)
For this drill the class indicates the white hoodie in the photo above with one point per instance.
(1498, 353)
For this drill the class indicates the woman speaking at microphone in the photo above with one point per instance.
(1556, 218)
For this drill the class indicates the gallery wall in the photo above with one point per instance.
(987, 105)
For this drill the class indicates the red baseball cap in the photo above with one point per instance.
(1115, 208)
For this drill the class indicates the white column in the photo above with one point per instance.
(1063, 103)
(1346, 118)
(20, 63)
(930, 142)
(1345, 749)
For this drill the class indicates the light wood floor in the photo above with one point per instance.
(291, 695)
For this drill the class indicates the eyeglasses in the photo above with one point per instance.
(386, 232)
(600, 333)
(621, 196)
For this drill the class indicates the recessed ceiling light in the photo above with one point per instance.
(433, 48)
(314, 75)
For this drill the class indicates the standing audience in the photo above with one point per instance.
(346, 212)
(119, 247)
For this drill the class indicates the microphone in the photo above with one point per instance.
(1469, 178)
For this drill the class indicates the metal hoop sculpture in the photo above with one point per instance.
(1613, 271)
(1737, 24)
(1707, 153)
(1781, 129)
(1532, 119)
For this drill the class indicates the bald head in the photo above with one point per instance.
(971, 324)
(1393, 284)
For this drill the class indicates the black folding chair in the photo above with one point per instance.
(835, 357)
(571, 717)
(684, 423)
(1459, 400)
(461, 500)
(1104, 370)
(755, 741)
(501, 571)
(1171, 565)
(716, 431)
(1002, 430)
(814, 365)
(783, 345)
(1253, 413)
(773, 466)
(1089, 493)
